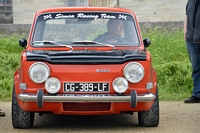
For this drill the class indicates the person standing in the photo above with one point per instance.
(192, 38)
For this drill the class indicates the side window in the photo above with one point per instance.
(38, 33)
(130, 32)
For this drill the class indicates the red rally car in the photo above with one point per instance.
(85, 61)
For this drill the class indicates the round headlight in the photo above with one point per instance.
(134, 72)
(52, 85)
(39, 72)
(120, 85)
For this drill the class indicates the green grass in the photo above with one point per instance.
(9, 60)
(168, 50)
(170, 60)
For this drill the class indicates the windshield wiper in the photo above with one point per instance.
(52, 42)
(86, 42)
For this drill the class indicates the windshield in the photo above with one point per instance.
(67, 28)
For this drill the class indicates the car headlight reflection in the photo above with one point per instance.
(52, 85)
(39, 72)
(134, 72)
(120, 85)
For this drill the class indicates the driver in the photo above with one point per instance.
(115, 30)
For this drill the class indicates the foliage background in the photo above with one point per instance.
(170, 60)
(168, 50)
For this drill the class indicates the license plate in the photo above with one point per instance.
(86, 87)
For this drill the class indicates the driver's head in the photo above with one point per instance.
(115, 28)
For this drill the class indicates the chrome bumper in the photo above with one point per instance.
(85, 98)
(40, 98)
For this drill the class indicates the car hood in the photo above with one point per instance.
(86, 57)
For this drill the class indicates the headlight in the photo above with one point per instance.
(39, 72)
(134, 72)
(120, 85)
(52, 85)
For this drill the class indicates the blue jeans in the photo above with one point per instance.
(194, 56)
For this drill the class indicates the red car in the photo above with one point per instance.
(85, 61)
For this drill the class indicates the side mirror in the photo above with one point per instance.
(147, 42)
(23, 42)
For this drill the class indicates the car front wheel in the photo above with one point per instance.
(20, 118)
(150, 118)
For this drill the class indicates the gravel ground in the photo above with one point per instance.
(175, 117)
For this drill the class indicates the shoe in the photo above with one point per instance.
(2, 113)
(192, 99)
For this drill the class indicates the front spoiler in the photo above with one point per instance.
(40, 98)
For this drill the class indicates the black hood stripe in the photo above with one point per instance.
(85, 58)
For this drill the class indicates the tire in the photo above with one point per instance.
(150, 118)
(20, 118)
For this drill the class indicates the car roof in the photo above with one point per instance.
(79, 9)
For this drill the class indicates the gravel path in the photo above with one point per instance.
(175, 117)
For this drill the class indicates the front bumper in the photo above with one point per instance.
(40, 98)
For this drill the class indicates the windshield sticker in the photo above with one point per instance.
(107, 16)
(38, 44)
(82, 15)
(47, 17)
(64, 16)
(85, 16)
(122, 16)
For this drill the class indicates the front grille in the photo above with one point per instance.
(86, 106)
